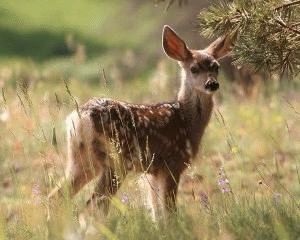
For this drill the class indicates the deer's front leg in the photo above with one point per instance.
(150, 189)
(171, 182)
(162, 191)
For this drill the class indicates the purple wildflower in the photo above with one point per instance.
(223, 182)
(125, 198)
(225, 190)
(36, 194)
(204, 201)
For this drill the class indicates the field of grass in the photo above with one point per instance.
(245, 183)
(255, 142)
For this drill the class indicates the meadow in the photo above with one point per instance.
(245, 183)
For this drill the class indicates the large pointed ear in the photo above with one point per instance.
(220, 47)
(174, 46)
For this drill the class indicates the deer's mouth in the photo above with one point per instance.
(211, 85)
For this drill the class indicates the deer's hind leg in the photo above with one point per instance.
(106, 187)
(86, 155)
(82, 168)
(85, 165)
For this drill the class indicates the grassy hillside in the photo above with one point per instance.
(255, 142)
(79, 38)
(39, 29)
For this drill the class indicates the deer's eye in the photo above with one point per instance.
(195, 69)
(214, 67)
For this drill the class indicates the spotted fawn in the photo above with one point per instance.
(106, 137)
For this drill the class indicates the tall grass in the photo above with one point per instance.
(256, 143)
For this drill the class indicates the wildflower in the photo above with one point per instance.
(225, 190)
(204, 201)
(36, 194)
(223, 181)
(124, 198)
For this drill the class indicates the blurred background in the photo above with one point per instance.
(55, 54)
(77, 39)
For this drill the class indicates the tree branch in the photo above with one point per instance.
(288, 5)
(283, 24)
(295, 24)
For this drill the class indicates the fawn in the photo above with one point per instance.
(159, 140)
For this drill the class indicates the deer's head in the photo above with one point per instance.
(200, 67)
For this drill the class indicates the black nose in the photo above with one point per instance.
(212, 85)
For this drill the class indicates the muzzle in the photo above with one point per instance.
(211, 85)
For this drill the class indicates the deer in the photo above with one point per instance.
(159, 140)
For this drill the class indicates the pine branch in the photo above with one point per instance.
(286, 5)
(295, 24)
(268, 37)
(283, 24)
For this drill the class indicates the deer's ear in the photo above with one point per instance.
(174, 46)
(220, 47)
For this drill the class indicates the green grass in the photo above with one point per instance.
(40, 30)
(255, 141)
(80, 38)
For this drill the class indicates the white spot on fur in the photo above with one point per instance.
(169, 113)
(166, 119)
(189, 147)
(167, 105)
(176, 105)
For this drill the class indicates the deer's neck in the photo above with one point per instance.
(196, 107)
